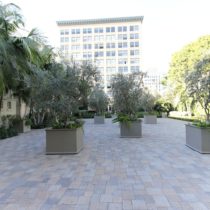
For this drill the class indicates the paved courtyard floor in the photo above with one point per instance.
(156, 172)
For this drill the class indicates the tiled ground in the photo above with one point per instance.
(155, 172)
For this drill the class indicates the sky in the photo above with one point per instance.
(168, 25)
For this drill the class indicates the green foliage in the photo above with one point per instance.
(98, 101)
(125, 118)
(87, 77)
(182, 64)
(8, 127)
(201, 124)
(71, 124)
(18, 54)
(198, 84)
(127, 91)
(147, 101)
(108, 115)
(161, 106)
(183, 118)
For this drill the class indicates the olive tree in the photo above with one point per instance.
(98, 101)
(198, 84)
(127, 92)
(147, 101)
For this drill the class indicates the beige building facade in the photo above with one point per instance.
(114, 45)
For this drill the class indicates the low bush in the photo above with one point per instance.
(108, 115)
(7, 132)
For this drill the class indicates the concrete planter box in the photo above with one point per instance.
(99, 119)
(21, 127)
(131, 130)
(64, 141)
(150, 119)
(198, 139)
(164, 115)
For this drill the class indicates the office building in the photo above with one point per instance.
(112, 44)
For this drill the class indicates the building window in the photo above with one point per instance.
(99, 62)
(87, 46)
(9, 105)
(110, 45)
(110, 29)
(134, 52)
(87, 30)
(75, 31)
(76, 55)
(87, 38)
(122, 28)
(75, 39)
(122, 53)
(111, 70)
(87, 55)
(134, 44)
(98, 30)
(62, 32)
(134, 28)
(110, 37)
(122, 69)
(110, 53)
(122, 45)
(75, 47)
(134, 36)
(134, 61)
(122, 61)
(134, 68)
(122, 36)
(110, 62)
(99, 46)
(99, 54)
(99, 38)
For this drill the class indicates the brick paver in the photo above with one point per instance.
(154, 172)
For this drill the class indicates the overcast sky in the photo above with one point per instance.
(168, 24)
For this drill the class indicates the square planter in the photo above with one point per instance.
(150, 119)
(99, 119)
(197, 138)
(64, 141)
(131, 130)
(21, 127)
(164, 115)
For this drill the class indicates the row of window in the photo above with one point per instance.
(121, 69)
(113, 53)
(100, 30)
(99, 54)
(111, 62)
(101, 46)
(100, 38)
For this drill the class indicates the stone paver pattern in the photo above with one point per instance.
(155, 172)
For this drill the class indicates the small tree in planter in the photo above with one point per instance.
(198, 86)
(99, 102)
(60, 98)
(127, 91)
(148, 102)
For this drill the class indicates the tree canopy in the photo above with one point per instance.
(184, 62)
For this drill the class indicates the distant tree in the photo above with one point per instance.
(198, 84)
(88, 76)
(147, 101)
(182, 64)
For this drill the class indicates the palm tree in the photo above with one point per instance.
(17, 53)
